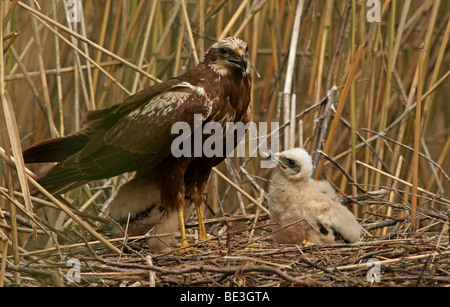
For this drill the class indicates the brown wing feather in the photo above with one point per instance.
(136, 133)
(129, 136)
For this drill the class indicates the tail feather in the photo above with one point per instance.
(55, 150)
(60, 187)
(59, 180)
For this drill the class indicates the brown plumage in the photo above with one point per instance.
(135, 135)
(304, 208)
(137, 209)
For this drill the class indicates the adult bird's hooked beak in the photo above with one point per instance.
(242, 62)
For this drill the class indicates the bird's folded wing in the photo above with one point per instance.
(130, 135)
(342, 221)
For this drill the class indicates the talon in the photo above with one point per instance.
(307, 243)
(183, 244)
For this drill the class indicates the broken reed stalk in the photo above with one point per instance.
(4, 254)
(144, 47)
(397, 161)
(101, 42)
(80, 86)
(45, 91)
(90, 102)
(58, 80)
(353, 107)
(326, 28)
(417, 136)
(340, 108)
(437, 66)
(290, 71)
(6, 122)
(14, 139)
(189, 31)
(386, 98)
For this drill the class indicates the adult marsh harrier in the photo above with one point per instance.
(136, 134)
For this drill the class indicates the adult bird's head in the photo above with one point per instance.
(294, 164)
(228, 55)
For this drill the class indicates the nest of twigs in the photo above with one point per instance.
(241, 253)
(344, 86)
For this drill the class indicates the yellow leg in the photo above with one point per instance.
(184, 241)
(201, 225)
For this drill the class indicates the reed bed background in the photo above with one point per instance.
(368, 99)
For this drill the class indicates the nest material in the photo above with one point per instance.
(240, 258)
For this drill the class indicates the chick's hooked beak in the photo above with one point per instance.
(276, 158)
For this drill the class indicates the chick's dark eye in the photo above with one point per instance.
(288, 162)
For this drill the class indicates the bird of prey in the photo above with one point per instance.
(136, 135)
(304, 209)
